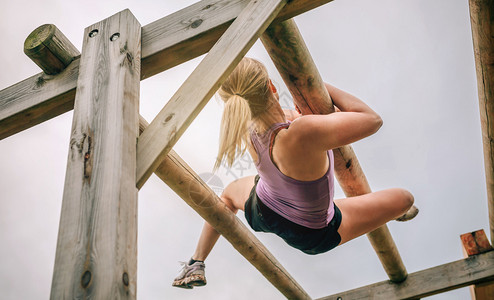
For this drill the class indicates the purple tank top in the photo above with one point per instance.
(307, 203)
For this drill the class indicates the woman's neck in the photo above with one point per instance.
(271, 116)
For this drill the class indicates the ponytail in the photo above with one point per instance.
(245, 94)
(234, 133)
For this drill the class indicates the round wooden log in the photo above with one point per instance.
(291, 57)
(192, 189)
(50, 49)
(482, 20)
(294, 62)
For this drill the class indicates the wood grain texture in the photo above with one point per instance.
(194, 30)
(96, 254)
(50, 49)
(166, 43)
(475, 242)
(461, 273)
(171, 122)
(482, 20)
(291, 57)
(195, 192)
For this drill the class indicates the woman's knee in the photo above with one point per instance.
(404, 197)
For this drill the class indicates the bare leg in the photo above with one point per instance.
(365, 213)
(234, 196)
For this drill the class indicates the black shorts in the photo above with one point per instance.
(311, 241)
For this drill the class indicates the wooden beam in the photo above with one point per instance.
(291, 57)
(50, 49)
(196, 193)
(443, 278)
(482, 20)
(96, 253)
(166, 43)
(192, 31)
(171, 122)
(475, 243)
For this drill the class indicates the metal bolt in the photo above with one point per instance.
(93, 33)
(196, 23)
(115, 37)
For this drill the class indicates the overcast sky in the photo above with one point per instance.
(410, 60)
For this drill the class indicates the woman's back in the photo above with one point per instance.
(305, 202)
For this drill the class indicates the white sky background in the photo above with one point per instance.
(411, 60)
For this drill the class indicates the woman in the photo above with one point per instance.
(293, 194)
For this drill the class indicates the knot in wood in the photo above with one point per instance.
(196, 23)
(125, 279)
(170, 116)
(86, 279)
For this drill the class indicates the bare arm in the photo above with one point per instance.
(322, 132)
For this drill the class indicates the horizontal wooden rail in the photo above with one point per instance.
(195, 192)
(291, 57)
(436, 280)
(167, 42)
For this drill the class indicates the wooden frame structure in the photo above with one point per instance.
(96, 250)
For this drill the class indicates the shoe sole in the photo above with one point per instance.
(190, 282)
(410, 214)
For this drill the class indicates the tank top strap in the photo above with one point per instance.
(273, 137)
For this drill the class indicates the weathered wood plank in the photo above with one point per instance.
(461, 273)
(482, 20)
(166, 43)
(291, 57)
(171, 122)
(195, 192)
(475, 242)
(96, 254)
(192, 31)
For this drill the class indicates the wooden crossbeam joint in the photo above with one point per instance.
(475, 242)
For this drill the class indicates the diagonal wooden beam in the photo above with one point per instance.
(291, 57)
(196, 193)
(443, 278)
(171, 122)
(166, 43)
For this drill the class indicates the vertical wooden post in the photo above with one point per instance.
(97, 242)
(475, 243)
(482, 20)
(291, 57)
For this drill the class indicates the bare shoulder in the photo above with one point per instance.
(296, 155)
(301, 133)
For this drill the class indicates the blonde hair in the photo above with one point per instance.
(245, 94)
